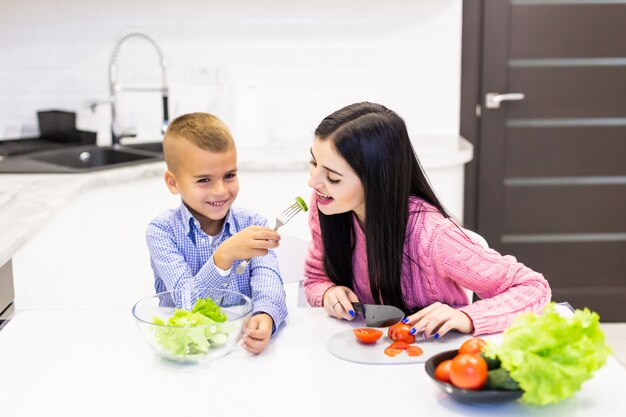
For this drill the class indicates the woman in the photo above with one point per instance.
(380, 235)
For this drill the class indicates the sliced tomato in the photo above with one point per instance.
(392, 351)
(367, 335)
(399, 345)
(414, 350)
(400, 332)
(474, 345)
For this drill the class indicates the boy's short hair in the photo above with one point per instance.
(202, 129)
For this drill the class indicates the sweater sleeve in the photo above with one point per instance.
(316, 281)
(506, 287)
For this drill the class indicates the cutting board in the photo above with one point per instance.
(345, 346)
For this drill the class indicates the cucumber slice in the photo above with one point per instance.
(218, 339)
(302, 204)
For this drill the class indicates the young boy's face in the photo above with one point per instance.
(206, 181)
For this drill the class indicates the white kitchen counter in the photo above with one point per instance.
(95, 363)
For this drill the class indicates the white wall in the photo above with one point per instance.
(304, 59)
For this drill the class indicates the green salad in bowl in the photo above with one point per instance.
(193, 325)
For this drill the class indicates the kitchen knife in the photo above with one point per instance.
(379, 315)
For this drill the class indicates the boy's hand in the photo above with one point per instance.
(258, 333)
(248, 243)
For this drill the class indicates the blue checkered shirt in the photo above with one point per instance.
(181, 254)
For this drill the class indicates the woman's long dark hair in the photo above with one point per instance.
(375, 143)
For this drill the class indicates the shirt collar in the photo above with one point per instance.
(190, 223)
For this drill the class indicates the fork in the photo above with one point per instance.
(281, 220)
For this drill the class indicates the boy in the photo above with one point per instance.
(201, 242)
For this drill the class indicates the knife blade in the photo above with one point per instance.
(379, 315)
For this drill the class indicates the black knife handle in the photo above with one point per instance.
(358, 308)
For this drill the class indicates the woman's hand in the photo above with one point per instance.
(439, 318)
(337, 302)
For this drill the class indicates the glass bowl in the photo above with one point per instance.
(481, 396)
(192, 336)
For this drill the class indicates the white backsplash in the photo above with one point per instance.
(302, 62)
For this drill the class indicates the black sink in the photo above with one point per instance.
(78, 159)
(156, 147)
(88, 158)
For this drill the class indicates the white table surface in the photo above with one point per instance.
(95, 363)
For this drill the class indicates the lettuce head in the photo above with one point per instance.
(550, 356)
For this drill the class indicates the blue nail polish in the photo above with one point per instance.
(351, 313)
(405, 320)
(436, 335)
(412, 331)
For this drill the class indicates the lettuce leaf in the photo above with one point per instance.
(192, 332)
(208, 308)
(551, 356)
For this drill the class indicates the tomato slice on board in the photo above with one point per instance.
(392, 351)
(367, 335)
(399, 345)
(414, 350)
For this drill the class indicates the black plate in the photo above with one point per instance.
(466, 395)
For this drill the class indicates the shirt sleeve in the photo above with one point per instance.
(169, 265)
(506, 287)
(224, 272)
(316, 281)
(268, 292)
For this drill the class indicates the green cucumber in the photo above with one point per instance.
(492, 363)
(302, 204)
(500, 379)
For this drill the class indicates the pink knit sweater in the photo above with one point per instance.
(447, 262)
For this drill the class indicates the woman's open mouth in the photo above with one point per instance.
(324, 199)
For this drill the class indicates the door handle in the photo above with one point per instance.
(493, 100)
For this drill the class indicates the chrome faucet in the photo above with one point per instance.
(115, 88)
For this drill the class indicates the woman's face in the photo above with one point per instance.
(338, 188)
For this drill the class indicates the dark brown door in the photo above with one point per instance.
(548, 184)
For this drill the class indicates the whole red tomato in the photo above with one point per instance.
(399, 332)
(442, 371)
(475, 345)
(468, 371)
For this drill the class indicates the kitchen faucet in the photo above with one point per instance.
(115, 88)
